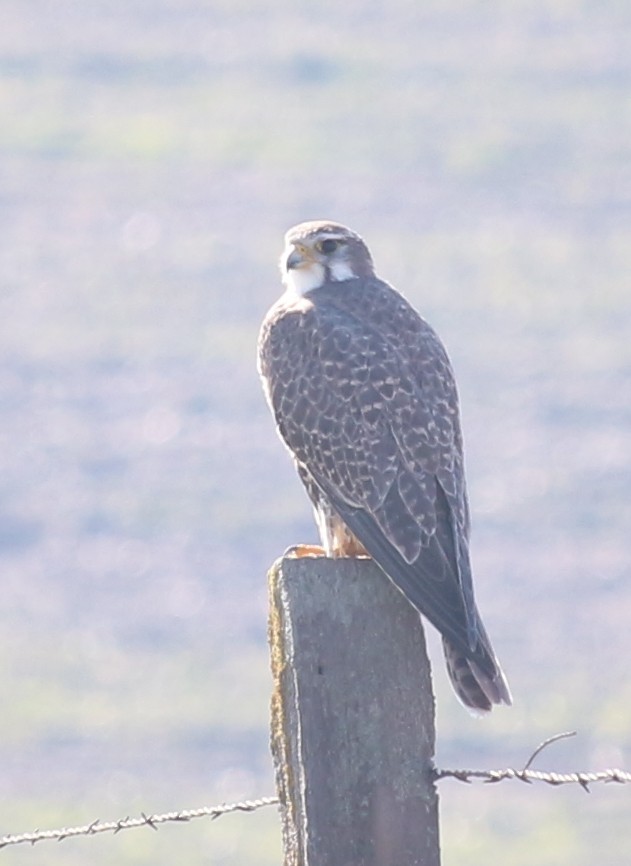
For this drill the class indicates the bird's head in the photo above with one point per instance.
(320, 252)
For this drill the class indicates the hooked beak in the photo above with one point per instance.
(296, 258)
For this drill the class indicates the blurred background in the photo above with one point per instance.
(151, 157)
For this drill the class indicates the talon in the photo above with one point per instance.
(297, 551)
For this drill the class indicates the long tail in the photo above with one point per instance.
(478, 683)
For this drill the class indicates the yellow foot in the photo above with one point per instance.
(296, 551)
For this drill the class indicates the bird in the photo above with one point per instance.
(363, 395)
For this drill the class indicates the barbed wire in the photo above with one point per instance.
(527, 775)
(98, 826)
(584, 779)
(579, 778)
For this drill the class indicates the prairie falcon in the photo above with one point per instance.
(364, 398)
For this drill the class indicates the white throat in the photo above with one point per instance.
(299, 281)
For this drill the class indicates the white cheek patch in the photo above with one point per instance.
(299, 281)
(341, 271)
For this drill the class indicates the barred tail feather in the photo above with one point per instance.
(478, 683)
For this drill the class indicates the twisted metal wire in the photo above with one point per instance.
(527, 775)
(144, 820)
(584, 779)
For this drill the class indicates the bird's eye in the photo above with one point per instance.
(328, 246)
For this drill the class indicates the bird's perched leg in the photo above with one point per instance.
(297, 551)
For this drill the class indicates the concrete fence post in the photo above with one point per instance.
(352, 718)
